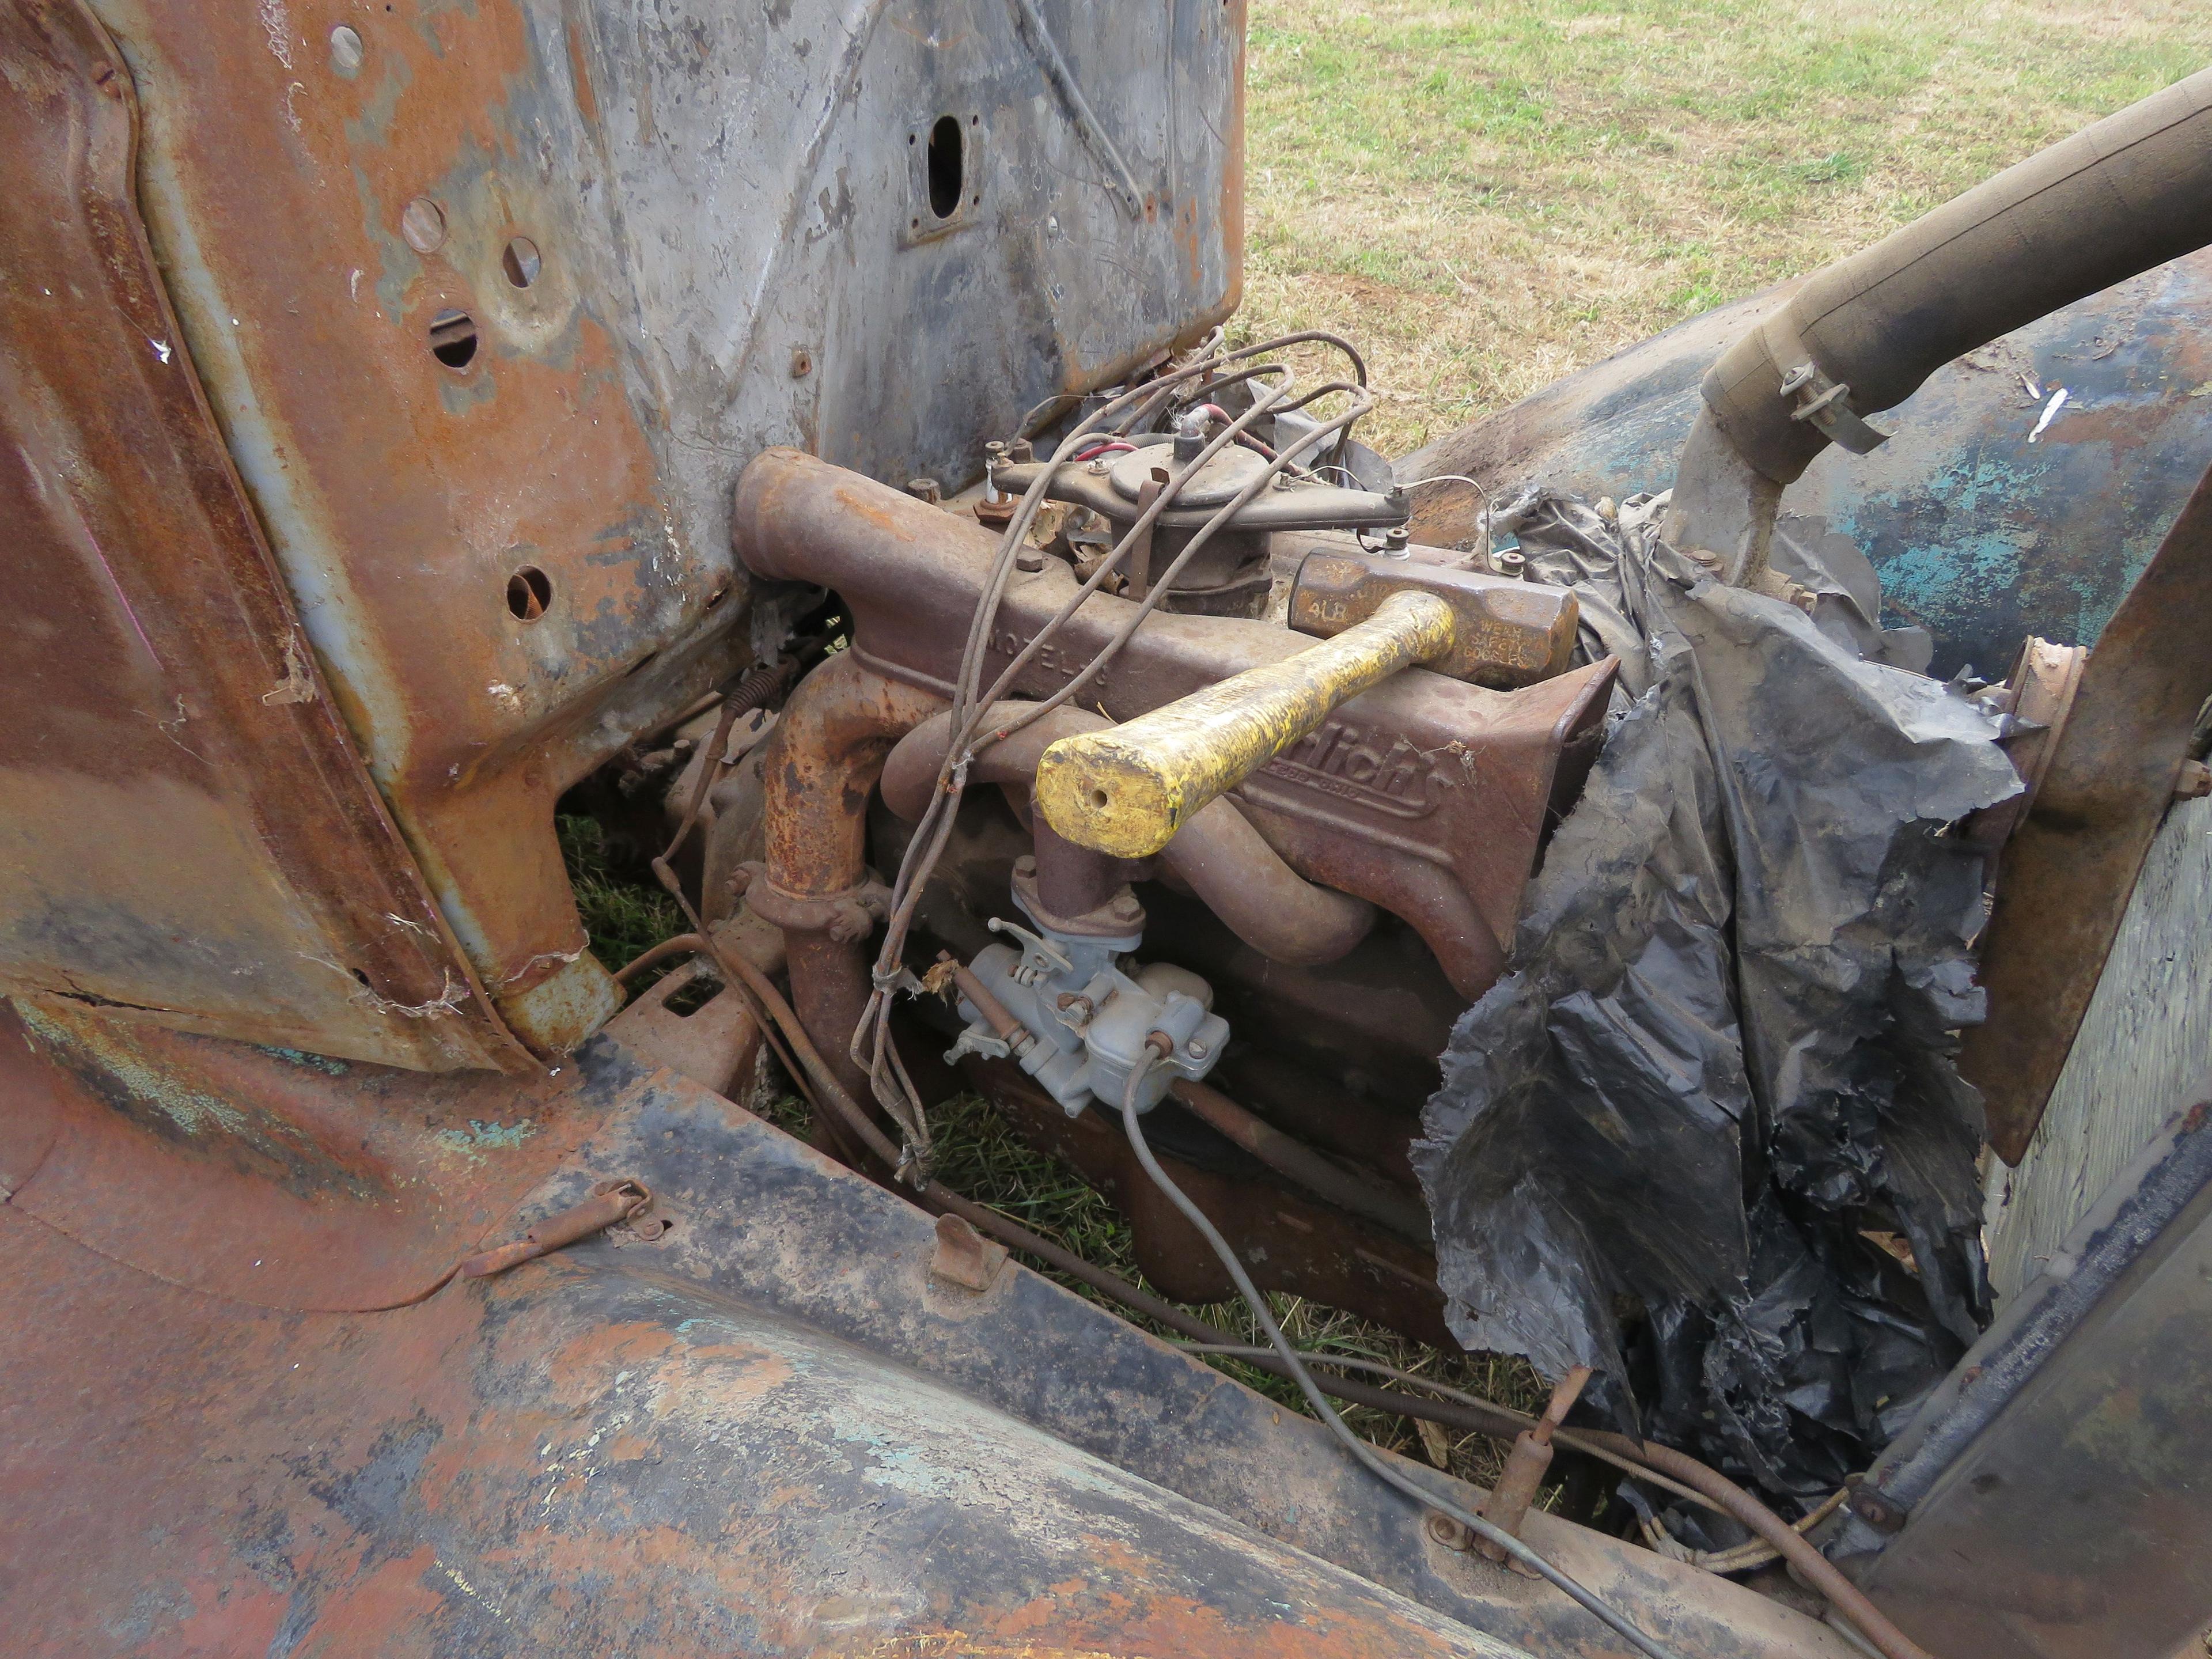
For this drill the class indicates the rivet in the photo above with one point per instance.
(423, 222)
(346, 50)
(802, 363)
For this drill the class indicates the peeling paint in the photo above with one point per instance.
(480, 1137)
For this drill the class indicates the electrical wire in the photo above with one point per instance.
(870, 1044)
(1366, 1455)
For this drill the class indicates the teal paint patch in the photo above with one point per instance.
(1936, 584)
(480, 1137)
(191, 1110)
(322, 1063)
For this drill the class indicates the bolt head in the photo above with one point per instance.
(1196, 1049)
(1447, 1532)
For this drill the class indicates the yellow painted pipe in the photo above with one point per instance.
(1126, 789)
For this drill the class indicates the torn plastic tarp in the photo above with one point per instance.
(1723, 1056)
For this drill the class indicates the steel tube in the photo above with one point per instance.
(1292, 1159)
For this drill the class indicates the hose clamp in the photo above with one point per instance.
(1827, 404)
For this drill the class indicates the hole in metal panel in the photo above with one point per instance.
(945, 164)
(693, 997)
(520, 261)
(453, 338)
(528, 592)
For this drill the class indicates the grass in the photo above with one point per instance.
(1487, 196)
(625, 912)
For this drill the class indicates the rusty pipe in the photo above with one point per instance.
(1218, 853)
(1291, 1158)
(822, 765)
(1526, 1465)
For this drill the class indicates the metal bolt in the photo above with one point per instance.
(1029, 559)
(1451, 1533)
(924, 490)
(346, 50)
(1396, 540)
(1021, 452)
(1099, 467)
(1875, 1509)
(802, 363)
(423, 222)
(1511, 565)
(1195, 1049)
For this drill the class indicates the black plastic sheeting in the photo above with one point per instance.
(1723, 1056)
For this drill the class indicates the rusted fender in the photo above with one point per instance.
(768, 1430)
(584, 1460)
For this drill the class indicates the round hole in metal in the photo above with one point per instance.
(453, 338)
(521, 261)
(529, 592)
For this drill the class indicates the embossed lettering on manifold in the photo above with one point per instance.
(1342, 760)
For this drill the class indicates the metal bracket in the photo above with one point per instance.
(963, 1257)
(611, 1202)
(1827, 403)
(973, 1040)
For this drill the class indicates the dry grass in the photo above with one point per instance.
(1488, 195)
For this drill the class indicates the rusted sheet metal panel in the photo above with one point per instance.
(2056, 1494)
(404, 494)
(771, 168)
(185, 827)
(1978, 535)
(275, 1176)
(768, 1430)
(2070, 865)
(495, 470)
(569, 1461)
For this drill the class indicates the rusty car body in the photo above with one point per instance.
(424, 419)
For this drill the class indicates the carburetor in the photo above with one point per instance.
(1074, 1010)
